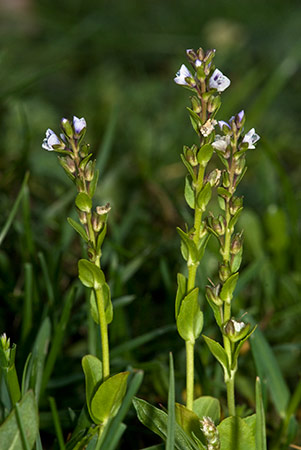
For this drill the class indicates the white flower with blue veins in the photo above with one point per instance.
(251, 138)
(219, 81)
(79, 124)
(221, 142)
(50, 140)
(181, 76)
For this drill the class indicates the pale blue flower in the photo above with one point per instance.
(50, 140)
(181, 76)
(221, 123)
(221, 142)
(251, 138)
(219, 81)
(79, 124)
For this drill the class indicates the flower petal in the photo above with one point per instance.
(219, 81)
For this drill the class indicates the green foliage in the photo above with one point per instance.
(236, 434)
(190, 317)
(20, 429)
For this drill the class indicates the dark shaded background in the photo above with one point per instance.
(113, 63)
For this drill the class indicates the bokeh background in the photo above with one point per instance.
(113, 62)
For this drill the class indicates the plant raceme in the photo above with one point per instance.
(230, 143)
(104, 393)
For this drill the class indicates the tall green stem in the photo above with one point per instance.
(104, 334)
(189, 374)
(230, 394)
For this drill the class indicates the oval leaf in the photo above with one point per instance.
(92, 368)
(90, 275)
(190, 318)
(208, 406)
(205, 154)
(228, 288)
(83, 202)
(235, 434)
(189, 193)
(78, 228)
(108, 398)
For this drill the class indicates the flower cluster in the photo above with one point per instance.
(211, 433)
(78, 165)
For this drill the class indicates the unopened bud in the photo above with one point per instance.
(219, 225)
(239, 165)
(212, 294)
(82, 216)
(224, 272)
(196, 106)
(191, 54)
(97, 222)
(226, 179)
(213, 103)
(67, 127)
(89, 170)
(200, 54)
(236, 244)
(235, 204)
(209, 55)
(214, 177)
(190, 155)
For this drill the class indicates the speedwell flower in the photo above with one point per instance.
(219, 81)
(221, 142)
(251, 138)
(79, 124)
(181, 76)
(50, 140)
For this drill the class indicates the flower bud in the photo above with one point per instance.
(191, 55)
(196, 106)
(84, 150)
(236, 244)
(103, 210)
(235, 204)
(212, 294)
(209, 55)
(82, 216)
(89, 170)
(239, 165)
(213, 103)
(236, 330)
(200, 54)
(97, 222)
(226, 179)
(214, 177)
(191, 155)
(224, 272)
(67, 127)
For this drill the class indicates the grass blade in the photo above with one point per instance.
(268, 370)
(260, 419)
(28, 301)
(57, 424)
(14, 209)
(170, 441)
(48, 285)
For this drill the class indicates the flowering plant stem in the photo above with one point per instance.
(104, 335)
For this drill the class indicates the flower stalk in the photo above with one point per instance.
(78, 165)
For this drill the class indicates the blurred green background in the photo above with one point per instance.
(113, 62)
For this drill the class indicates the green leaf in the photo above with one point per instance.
(92, 368)
(78, 228)
(227, 290)
(195, 120)
(40, 349)
(192, 252)
(189, 422)
(261, 443)
(107, 304)
(189, 193)
(190, 318)
(240, 344)
(202, 246)
(108, 398)
(204, 197)
(235, 218)
(181, 291)
(223, 192)
(208, 406)
(219, 353)
(156, 420)
(83, 202)
(268, 369)
(26, 420)
(170, 439)
(204, 154)
(101, 237)
(93, 183)
(188, 167)
(235, 434)
(90, 275)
